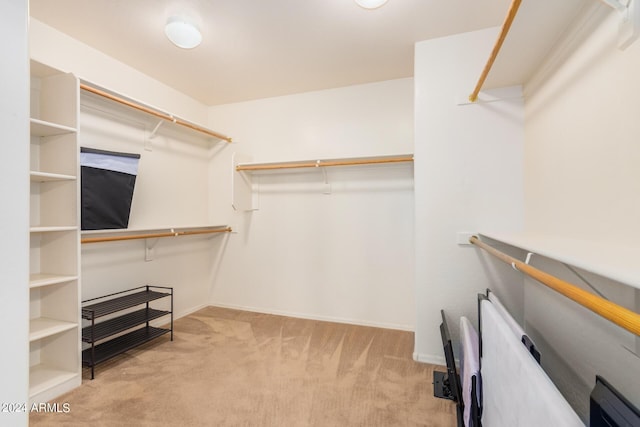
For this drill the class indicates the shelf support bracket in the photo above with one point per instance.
(528, 259)
(326, 189)
(155, 130)
(149, 246)
(147, 142)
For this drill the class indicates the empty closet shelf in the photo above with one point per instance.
(119, 345)
(45, 327)
(44, 128)
(120, 324)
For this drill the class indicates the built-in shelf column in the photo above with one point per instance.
(54, 285)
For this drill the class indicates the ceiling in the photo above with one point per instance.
(257, 48)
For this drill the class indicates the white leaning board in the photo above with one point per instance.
(516, 391)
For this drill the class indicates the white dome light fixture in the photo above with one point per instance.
(370, 4)
(182, 32)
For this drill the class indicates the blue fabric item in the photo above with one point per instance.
(117, 162)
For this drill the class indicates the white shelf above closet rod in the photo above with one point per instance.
(325, 163)
(619, 315)
(152, 234)
(506, 25)
(153, 112)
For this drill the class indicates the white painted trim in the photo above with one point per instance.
(189, 311)
(430, 358)
(576, 34)
(163, 322)
(408, 328)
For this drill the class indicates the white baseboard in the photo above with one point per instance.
(429, 358)
(189, 311)
(163, 322)
(383, 325)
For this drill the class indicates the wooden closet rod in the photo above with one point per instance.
(511, 14)
(621, 316)
(323, 163)
(153, 112)
(152, 235)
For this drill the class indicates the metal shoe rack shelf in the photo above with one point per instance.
(105, 338)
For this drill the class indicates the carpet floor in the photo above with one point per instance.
(236, 368)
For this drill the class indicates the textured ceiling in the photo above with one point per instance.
(263, 48)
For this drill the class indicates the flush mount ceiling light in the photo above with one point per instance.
(370, 4)
(182, 32)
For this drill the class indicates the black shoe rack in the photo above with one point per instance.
(118, 333)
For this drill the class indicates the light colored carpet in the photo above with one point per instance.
(236, 368)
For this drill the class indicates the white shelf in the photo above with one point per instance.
(49, 177)
(619, 263)
(242, 182)
(125, 231)
(43, 377)
(43, 327)
(51, 229)
(44, 128)
(44, 279)
(101, 236)
(91, 91)
(289, 166)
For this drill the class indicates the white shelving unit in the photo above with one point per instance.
(54, 285)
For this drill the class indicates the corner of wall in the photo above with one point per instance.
(468, 176)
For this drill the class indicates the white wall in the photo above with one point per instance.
(468, 177)
(583, 182)
(582, 150)
(14, 216)
(346, 256)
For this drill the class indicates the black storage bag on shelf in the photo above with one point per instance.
(108, 180)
